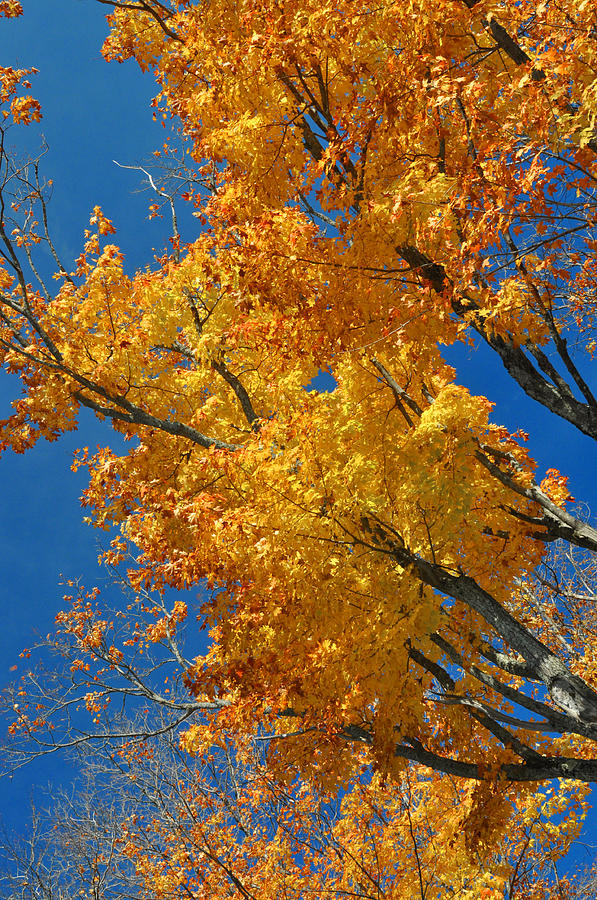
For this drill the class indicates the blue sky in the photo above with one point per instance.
(95, 113)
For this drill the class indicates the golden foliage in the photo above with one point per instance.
(382, 181)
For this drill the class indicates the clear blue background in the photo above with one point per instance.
(95, 113)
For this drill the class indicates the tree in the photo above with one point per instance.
(148, 821)
(370, 185)
(71, 850)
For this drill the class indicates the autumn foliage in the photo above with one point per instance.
(370, 185)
